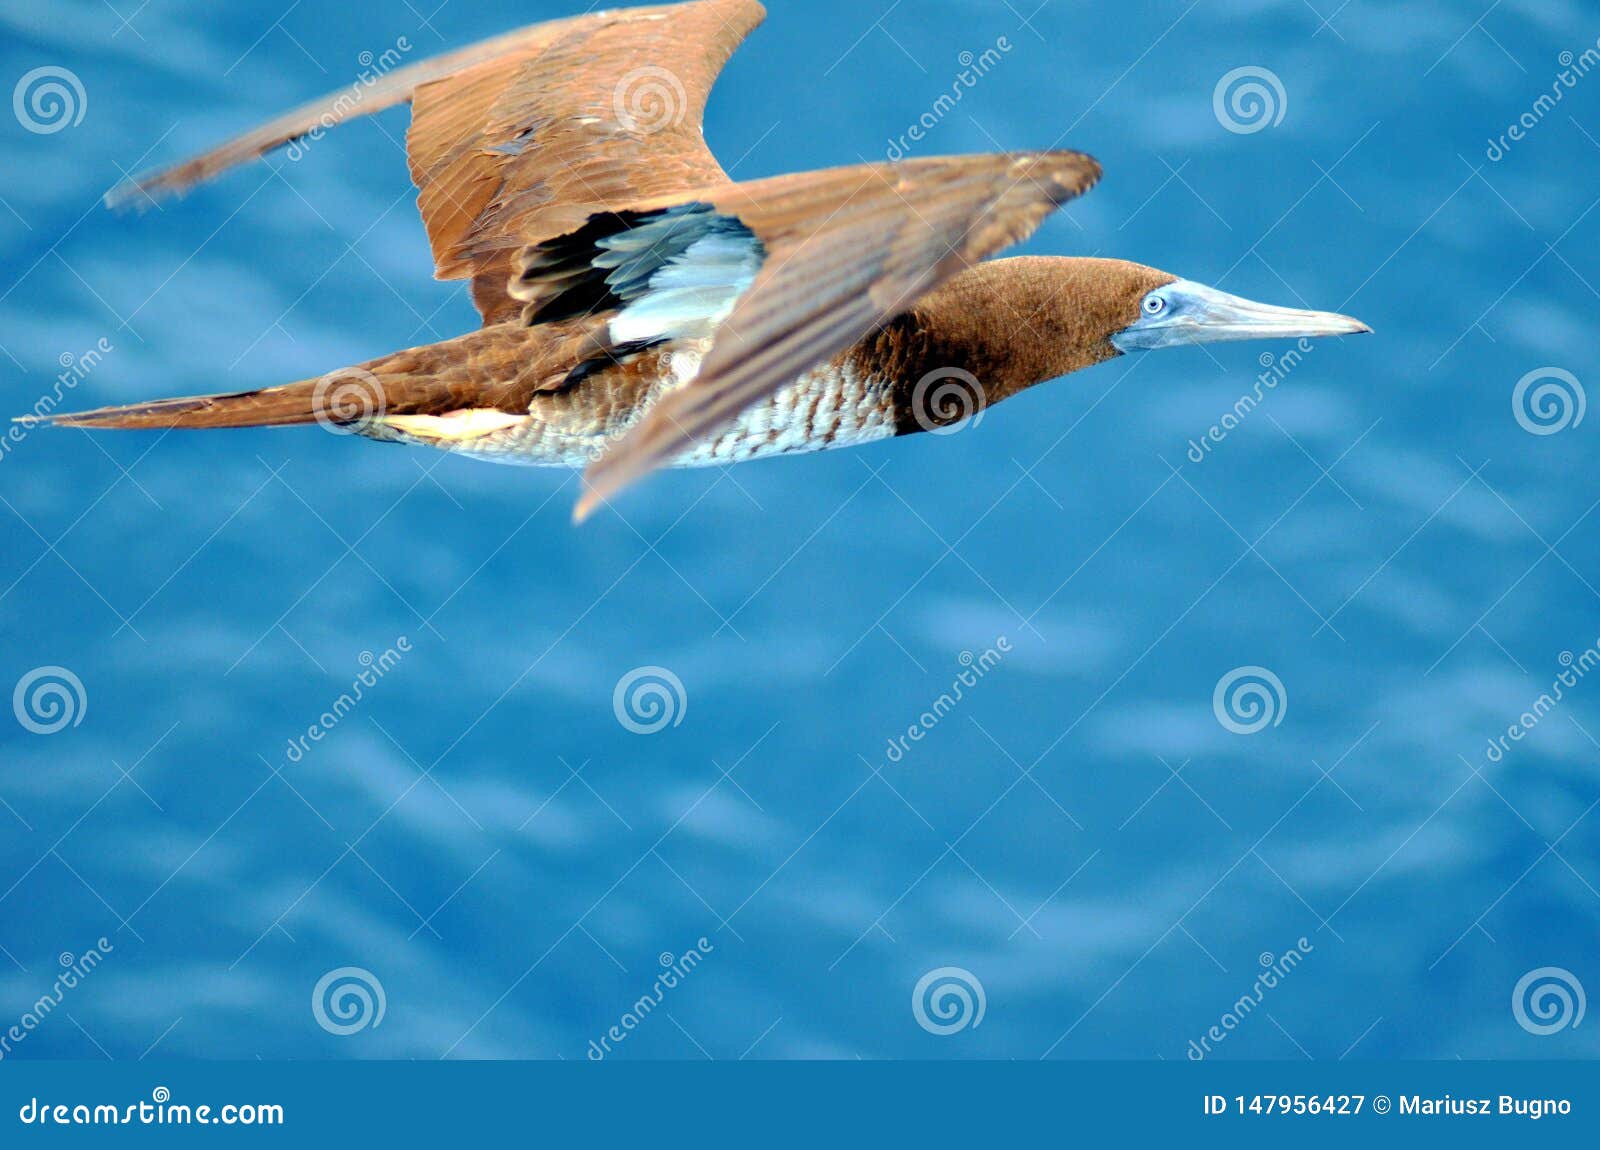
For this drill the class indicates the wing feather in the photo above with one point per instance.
(847, 250)
(527, 134)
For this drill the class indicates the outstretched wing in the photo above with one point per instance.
(526, 135)
(781, 274)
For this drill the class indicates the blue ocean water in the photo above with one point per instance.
(1250, 739)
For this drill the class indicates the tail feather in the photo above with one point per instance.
(269, 407)
(493, 370)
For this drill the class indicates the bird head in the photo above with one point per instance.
(1015, 323)
(1157, 309)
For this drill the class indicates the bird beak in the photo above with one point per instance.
(1195, 313)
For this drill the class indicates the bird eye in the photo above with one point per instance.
(1154, 305)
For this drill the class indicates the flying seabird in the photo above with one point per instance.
(641, 309)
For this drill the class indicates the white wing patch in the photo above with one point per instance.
(667, 275)
(690, 294)
(454, 426)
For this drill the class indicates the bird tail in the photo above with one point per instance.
(339, 399)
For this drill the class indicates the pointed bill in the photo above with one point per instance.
(1196, 313)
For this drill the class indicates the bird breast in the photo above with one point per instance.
(834, 405)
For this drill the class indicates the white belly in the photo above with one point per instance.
(825, 408)
(828, 407)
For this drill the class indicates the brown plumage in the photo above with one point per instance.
(1010, 324)
(641, 309)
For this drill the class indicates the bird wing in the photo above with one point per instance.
(527, 134)
(784, 272)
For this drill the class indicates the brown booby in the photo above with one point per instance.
(640, 309)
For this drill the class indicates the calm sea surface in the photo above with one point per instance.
(1234, 708)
